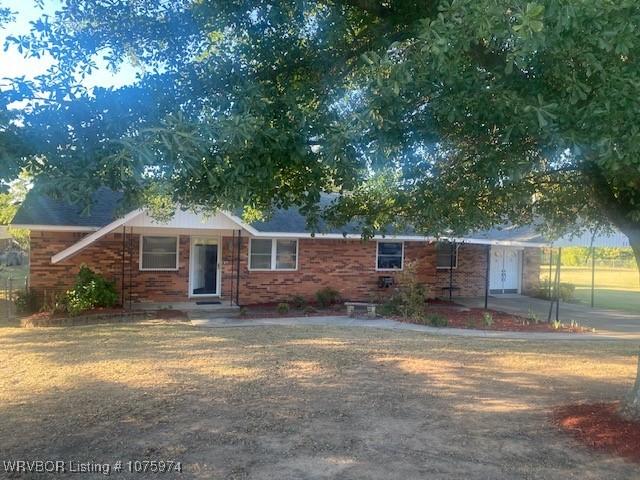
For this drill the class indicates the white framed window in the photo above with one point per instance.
(444, 252)
(273, 254)
(389, 255)
(159, 253)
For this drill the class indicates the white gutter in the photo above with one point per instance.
(101, 232)
(241, 223)
(89, 239)
(404, 238)
(55, 228)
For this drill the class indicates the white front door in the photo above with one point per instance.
(504, 270)
(204, 274)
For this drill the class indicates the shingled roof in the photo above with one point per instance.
(39, 209)
(42, 210)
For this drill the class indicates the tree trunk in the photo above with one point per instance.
(631, 406)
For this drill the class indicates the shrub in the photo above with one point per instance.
(389, 308)
(437, 320)
(283, 307)
(298, 302)
(92, 290)
(26, 302)
(409, 296)
(54, 302)
(487, 319)
(567, 291)
(327, 296)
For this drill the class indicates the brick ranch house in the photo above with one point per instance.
(194, 257)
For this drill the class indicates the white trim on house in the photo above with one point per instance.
(89, 239)
(138, 220)
(274, 254)
(140, 253)
(243, 224)
(398, 238)
(55, 228)
(218, 240)
(378, 242)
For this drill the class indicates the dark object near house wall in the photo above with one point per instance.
(385, 282)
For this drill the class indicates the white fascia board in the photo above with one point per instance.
(242, 224)
(89, 239)
(404, 238)
(54, 228)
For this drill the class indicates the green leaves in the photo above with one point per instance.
(531, 20)
(448, 115)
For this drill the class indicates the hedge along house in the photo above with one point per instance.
(195, 258)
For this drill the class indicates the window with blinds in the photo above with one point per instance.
(158, 253)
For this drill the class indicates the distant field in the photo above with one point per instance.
(614, 288)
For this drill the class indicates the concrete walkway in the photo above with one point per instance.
(334, 321)
(604, 321)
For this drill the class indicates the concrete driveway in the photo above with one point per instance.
(604, 321)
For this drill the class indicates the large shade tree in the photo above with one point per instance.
(449, 115)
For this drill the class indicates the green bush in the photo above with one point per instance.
(327, 296)
(390, 307)
(298, 302)
(409, 296)
(26, 302)
(487, 319)
(567, 291)
(437, 320)
(91, 290)
(283, 307)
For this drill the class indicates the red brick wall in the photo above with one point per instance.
(349, 267)
(531, 260)
(469, 276)
(105, 257)
(346, 265)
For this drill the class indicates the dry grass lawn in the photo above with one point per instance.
(304, 402)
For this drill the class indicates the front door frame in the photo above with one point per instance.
(519, 250)
(218, 242)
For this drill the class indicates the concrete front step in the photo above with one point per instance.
(192, 309)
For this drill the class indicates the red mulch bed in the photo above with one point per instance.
(600, 427)
(462, 317)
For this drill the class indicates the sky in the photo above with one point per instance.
(14, 64)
